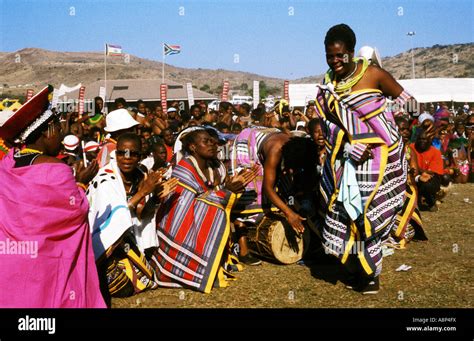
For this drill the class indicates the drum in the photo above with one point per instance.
(275, 239)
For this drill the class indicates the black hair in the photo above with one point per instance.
(221, 126)
(156, 139)
(97, 98)
(166, 129)
(185, 116)
(213, 133)
(224, 106)
(342, 33)
(257, 114)
(190, 138)
(92, 130)
(285, 108)
(300, 153)
(156, 143)
(146, 130)
(140, 101)
(401, 119)
(130, 137)
(120, 100)
(236, 126)
(468, 119)
(194, 106)
(246, 107)
(313, 123)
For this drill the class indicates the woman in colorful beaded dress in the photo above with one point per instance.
(364, 175)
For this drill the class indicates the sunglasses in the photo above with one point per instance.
(128, 153)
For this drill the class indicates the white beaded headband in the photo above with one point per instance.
(35, 125)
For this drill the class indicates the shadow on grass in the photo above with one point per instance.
(324, 266)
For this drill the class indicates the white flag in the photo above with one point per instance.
(113, 50)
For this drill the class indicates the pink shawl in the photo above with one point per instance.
(42, 208)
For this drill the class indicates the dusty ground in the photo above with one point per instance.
(441, 274)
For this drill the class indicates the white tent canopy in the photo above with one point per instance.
(300, 94)
(440, 89)
(424, 90)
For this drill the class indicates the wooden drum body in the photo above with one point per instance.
(275, 239)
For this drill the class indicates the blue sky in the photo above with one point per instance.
(273, 38)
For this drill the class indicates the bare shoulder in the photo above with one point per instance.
(277, 140)
(46, 159)
(386, 82)
(377, 72)
(274, 143)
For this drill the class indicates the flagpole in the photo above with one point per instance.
(163, 64)
(105, 77)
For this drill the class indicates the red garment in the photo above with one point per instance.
(103, 157)
(169, 153)
(430, 160)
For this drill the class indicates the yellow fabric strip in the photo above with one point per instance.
(348, 245)
(140, 263)
(340, 135)
(393, 146)
(364, 263)
(383, 165)
(211, 203)
(373, 113)
(320, 110)
(222, 244)
(257, 210)
(187, 187)
(406, 214)
(366, 90)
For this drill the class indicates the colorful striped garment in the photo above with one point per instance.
(360, 118)
(247, 152)
(408, 223)
(193, 229)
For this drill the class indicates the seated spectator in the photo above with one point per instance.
(408, 224)
(193, 224)
(168, 138)
(117, 122)
(430, 165)
(123, 203)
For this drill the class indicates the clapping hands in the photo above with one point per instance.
(239, 181)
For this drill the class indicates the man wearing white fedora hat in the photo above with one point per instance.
(117, 122)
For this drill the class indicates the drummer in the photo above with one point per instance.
(288, 171)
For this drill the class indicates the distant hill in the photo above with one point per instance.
(430, 62)
(36, 67)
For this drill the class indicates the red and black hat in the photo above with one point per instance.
(31, 115)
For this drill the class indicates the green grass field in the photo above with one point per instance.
(441, 275)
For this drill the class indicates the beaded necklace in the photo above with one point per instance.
(3, 147)
(26, 151)
(345, 85)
